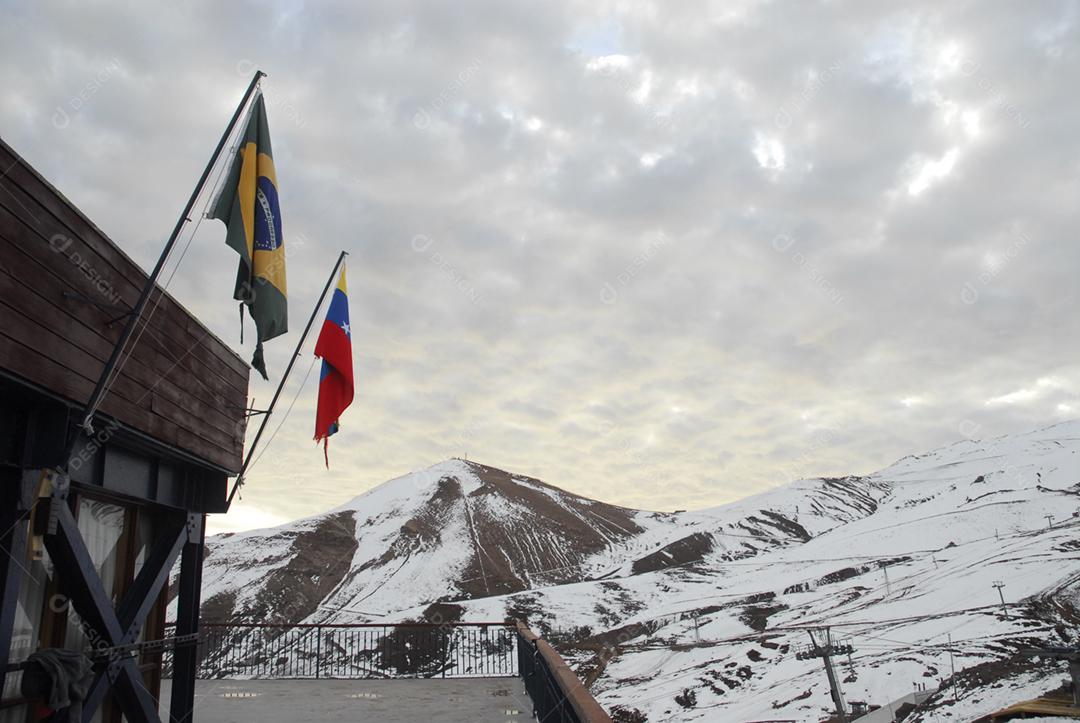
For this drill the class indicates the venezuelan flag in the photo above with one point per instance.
(334, 347)
(248, 204)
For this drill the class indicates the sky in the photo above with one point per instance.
(661, 254)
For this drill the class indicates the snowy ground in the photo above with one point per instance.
(955, 522)
(901, 564)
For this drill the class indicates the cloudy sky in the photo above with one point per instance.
(661, 254)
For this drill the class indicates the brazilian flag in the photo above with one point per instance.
(248, 204)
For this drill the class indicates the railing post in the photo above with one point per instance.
(318, 649)
(444, 633)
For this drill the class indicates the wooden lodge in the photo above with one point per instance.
(92, 524)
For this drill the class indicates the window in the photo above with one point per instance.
(119, 538)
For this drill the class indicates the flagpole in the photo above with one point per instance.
(281, 385)
(151, 282)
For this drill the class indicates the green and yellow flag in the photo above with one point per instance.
(248, 205)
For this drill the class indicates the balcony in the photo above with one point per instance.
(407, 701)
(410, 672)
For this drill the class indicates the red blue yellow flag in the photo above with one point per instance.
(334, 347)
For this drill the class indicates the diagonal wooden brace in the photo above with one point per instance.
(153, 576)
(79, 576)
(109, 626)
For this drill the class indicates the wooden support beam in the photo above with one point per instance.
(186, 659)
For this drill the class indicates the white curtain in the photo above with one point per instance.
(24, 634)
(102, 526)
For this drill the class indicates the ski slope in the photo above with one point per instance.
(699, 615)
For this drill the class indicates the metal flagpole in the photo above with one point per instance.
(281, 385)
(151, 282)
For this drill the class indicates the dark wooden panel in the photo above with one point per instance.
(17, 327)
(30, 364)
(202, 400)
(95, 277)
(164, 379)
(37, 367)
(129, 276)
(181, 385)
(29, 261)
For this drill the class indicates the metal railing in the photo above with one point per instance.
(557, 694)
(415, 650)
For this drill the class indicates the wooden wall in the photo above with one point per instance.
(182, 385)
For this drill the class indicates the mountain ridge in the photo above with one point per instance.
(676, 616)
(461, 530)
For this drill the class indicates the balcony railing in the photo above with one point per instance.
(458, 650)
(411, 650)
(557, 694)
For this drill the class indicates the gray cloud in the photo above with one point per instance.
(664, 254)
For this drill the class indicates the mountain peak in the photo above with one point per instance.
(468, 477)
(717, 591)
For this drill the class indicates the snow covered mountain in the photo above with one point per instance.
(699, 615)
(461, 530)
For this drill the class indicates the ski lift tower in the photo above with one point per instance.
(822, 646)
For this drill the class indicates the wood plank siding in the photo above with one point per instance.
(181, 385)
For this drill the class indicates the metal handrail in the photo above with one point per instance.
(557, 694)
